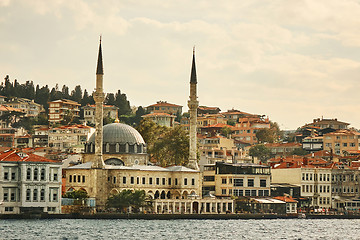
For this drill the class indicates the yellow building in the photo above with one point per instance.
(342, 142)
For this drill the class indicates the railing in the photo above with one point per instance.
(89, 202)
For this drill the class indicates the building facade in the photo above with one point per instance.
(29, 183)
(110, 111)
(58, 109)
(164, 107)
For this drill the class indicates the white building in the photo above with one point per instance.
(109, 111)
(29, 183)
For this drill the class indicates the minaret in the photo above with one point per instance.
(193, 104)
(99, 100)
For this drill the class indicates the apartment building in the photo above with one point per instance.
(60, 108)
(27, 106)
(164, 107)
(110, 111)
(342, 142)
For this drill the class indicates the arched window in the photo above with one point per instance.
(42, 174)
(28, 174)
(36, 174)
(35, 195)
(117, 147)
(28, 195)
(42, 195)
(107, 147)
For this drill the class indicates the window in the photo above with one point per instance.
(163, 181)
(250, 182)
(262, 182)
(114, 180)
(124, 180)
(28, 174)
(42, 174)
(36, 174)
(223, 191)
(193, 181)
(132, 180)
(209, 178)
(185, 181)
(223, 180)
(253, 192)
(150, 180)
(6, 175)
(344, 144)
(176, 181)
(238, 182)
(320, 177)
(137, 180)
(28, 193)
(83, 178)
(6, 195)
(247, 192)
(238, 192)
(42, 195)
(35, 195)
(157, 181)
(169, 181)
(143, 180)
(78, 177)
(9, 209)
(307, 177)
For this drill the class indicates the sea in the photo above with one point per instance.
(180, 229)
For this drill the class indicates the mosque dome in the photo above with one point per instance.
(119, 133)
(118, 138)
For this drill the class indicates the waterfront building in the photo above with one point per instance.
(110, 111)
(29, 183)
(62, 107)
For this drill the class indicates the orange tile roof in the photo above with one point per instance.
(288, 199)
(158, 114)
(164, 104)
(218, 125)
(290, 144)
(13, 156)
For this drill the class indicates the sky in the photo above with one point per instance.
(291, 60)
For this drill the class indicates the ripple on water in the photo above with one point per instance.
(180, 229)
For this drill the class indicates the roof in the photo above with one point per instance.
(164, 104)
(99, 68)
(87, 165)
(287, 199)
(72, 127)
(208, 108)
(218, 125)
(159, 114)
(66, 101)
(193, 78)
(268, 200)
(119, 133)
(290, 144)
(18, 156)
(343, 132)
(4, 108)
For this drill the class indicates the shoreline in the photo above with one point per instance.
(172, 216)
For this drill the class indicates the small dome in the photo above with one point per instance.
(119, 133)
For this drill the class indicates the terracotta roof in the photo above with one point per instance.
(72, 126)
(15, 156)
(218, 125)
(5, 108)
(288, 199)
(158, 114)
(208, 108)
(67, 101)
(164, 104)
(290, 144)
(343, 132)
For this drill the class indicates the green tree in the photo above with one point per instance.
(122, 103)
(126, 198)
(78, 195)
(299, 152)
(76, 94)
(260, 151)
(230, 122)
(138, 115)
(226, 131)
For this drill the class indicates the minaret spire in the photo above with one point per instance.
(193, 105)
(99, 100)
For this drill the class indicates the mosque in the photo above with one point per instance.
(115, 159)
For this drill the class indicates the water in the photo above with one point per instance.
(180, 229)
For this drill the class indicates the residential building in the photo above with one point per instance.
(203, 110)
(110, 111)
(27, 106)
(241, 179)
(41, 136)
(162, 119)
(8, 136)
(322, 123)
(313, 144)
(342, 142)
(29, 183)
(282, 149)
(6, 110)
(64, 138)
(206, 120)
(164, 107)
(63, 107)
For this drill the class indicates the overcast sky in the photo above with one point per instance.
(292, 60)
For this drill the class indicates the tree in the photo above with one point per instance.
(110, 99)
(126, 198)
(137, 118)
(299, 152)
(269, 135)
(230, 122)
(78, 195)
(260, 151)
(122, 103)
(76, 94)
(226, 131)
